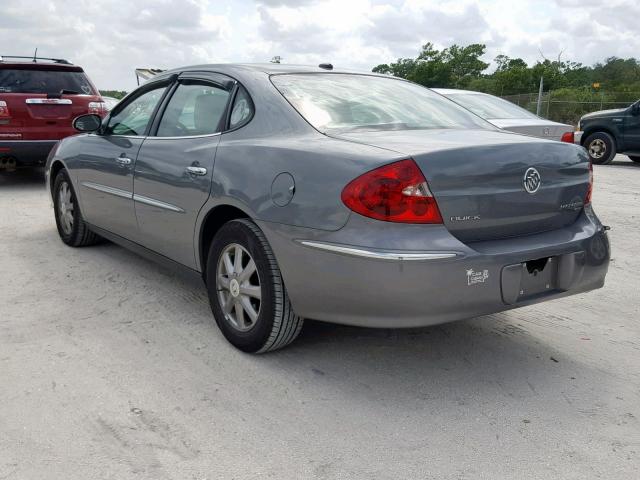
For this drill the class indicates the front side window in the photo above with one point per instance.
(194, 109)
(343, 102)
(490, 107)
(134, 117)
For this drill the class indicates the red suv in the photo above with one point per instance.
(39, 98)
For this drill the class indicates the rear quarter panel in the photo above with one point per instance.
(245, 170)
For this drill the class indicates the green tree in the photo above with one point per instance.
(402, 68)
(462, 67)
(455, 66)
(617, 73)
(465, 63)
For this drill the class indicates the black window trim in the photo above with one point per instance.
(224, 83)
(166, 82)
(206, 75)
(230, 109)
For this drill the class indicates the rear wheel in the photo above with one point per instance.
(634, 158)
(601, 148)
(247, 295)
(71, 226)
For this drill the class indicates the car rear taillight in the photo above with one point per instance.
(397, 192)
(98, 108)
(587, 198)
(567, 137)
(4, 109)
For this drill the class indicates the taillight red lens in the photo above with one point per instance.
(567, 137)
(587, 198)
(98, 108)
(4, 109)
(397, 192)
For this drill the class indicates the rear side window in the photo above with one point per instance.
(242, 109)
(194, 109)
(44, 81)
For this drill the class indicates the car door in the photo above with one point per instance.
(632, 129)
(173, 172)
(106, 161)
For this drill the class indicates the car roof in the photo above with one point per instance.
(268, 68)
(450, 91)
(31, 65)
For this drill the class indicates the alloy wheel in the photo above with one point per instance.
(238, 286)
(65, 208)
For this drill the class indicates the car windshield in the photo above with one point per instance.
(489, 107)
(44, 81)
(342, 102)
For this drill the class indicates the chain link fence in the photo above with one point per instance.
(567, 106)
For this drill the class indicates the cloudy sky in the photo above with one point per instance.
(111, 38)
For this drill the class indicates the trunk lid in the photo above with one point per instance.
(478, 179)
(537, 127)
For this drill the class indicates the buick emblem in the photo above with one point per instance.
(531, 180)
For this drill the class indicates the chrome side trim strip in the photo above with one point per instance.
(208, 135)
(157, 203)
(48, 101)
(377, 254)
(138, 198)
(111, 190)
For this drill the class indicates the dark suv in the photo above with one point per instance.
(39, 98)
(608, 132)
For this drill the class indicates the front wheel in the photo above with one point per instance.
(634, 158)
(601, 148)
(71, 226)
(247, 295)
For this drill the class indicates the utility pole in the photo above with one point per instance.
(539, 106)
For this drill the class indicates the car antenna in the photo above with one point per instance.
(35, 54)
(326, 66)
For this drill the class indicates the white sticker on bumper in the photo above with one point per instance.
(474, 277)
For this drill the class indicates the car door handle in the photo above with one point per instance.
(123, 160)
(197, 171)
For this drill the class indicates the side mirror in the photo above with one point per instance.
(87, 123)
(635, 108)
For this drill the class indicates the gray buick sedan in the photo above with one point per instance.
(304, 192)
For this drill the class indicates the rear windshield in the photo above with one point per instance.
(490, 107)
(343, 102)
(44, 81)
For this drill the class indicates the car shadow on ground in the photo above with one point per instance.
(499, 357)
(467, 357)
(622, 163)
(24, 177)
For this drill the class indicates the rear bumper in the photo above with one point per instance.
(27, 152)
(381, 285)
(577, 137)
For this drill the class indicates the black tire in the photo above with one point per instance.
(77, 233)
(601, 148)
(633, 158)
(276, 324)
